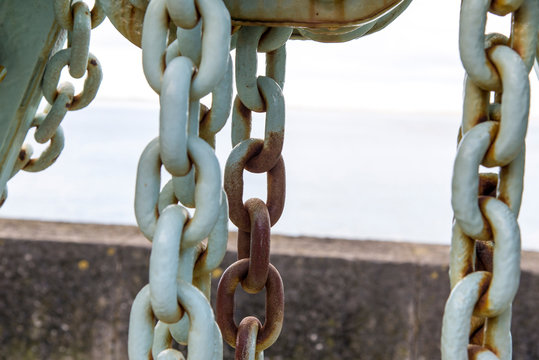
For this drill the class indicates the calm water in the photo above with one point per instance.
(378, 167)
(355, 175)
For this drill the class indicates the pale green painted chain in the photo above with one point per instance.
(485, 246)
(182, 65)
(76, 18)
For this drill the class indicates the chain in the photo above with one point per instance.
(255, 217)
(183, 61)
(485, 246)
(76, 18)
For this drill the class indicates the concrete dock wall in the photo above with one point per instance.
(67, 291)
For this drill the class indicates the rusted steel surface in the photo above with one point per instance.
(273, 324)
(485, 248)
(256, 246)
(255, 217)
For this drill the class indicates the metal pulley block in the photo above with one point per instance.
(319, 20)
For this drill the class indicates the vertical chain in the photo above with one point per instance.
(255, 217)
(485, 246)
(183, 62)
(76, 18)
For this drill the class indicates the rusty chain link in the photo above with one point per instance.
(485, 246)
(182, 63)
(255, 217)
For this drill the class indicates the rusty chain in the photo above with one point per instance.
(485, 246)
(76, 18)
(182, 63)
(254, 218)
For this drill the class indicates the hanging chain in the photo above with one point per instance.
(76, 18)
(485, 246)
(255, 218)
(184, 59)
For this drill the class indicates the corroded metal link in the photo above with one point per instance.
(461, 255)
(497, 336)
(25, 154)
(274, 126)
(242, 119)
(217, 241)
(271, 329)
(212, 121)
(257, 243)
(506, 259)
(234, 184)
(475, 107)
(50, 154)
(140, 4)
(465, 182)
(246, 341)
(51, 78)
(457, 314)
(524, 31)
(492, 134)
(47, 128)
(504, 7)
(3, 72)
(472, 39)
(170, 354)
(473, 18)
(162, 341)
(512, 183)
(472, 150)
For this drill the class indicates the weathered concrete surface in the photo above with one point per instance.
(67, 290)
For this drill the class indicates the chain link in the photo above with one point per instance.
(485, 246)
(76, 18)
(182, 64)
(255, 217)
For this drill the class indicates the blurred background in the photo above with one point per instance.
(370, 137)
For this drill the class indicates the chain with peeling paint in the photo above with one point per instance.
(76, 18)
(255, 217)
(184, 59)
(485, 247)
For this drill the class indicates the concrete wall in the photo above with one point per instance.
(67, 290)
